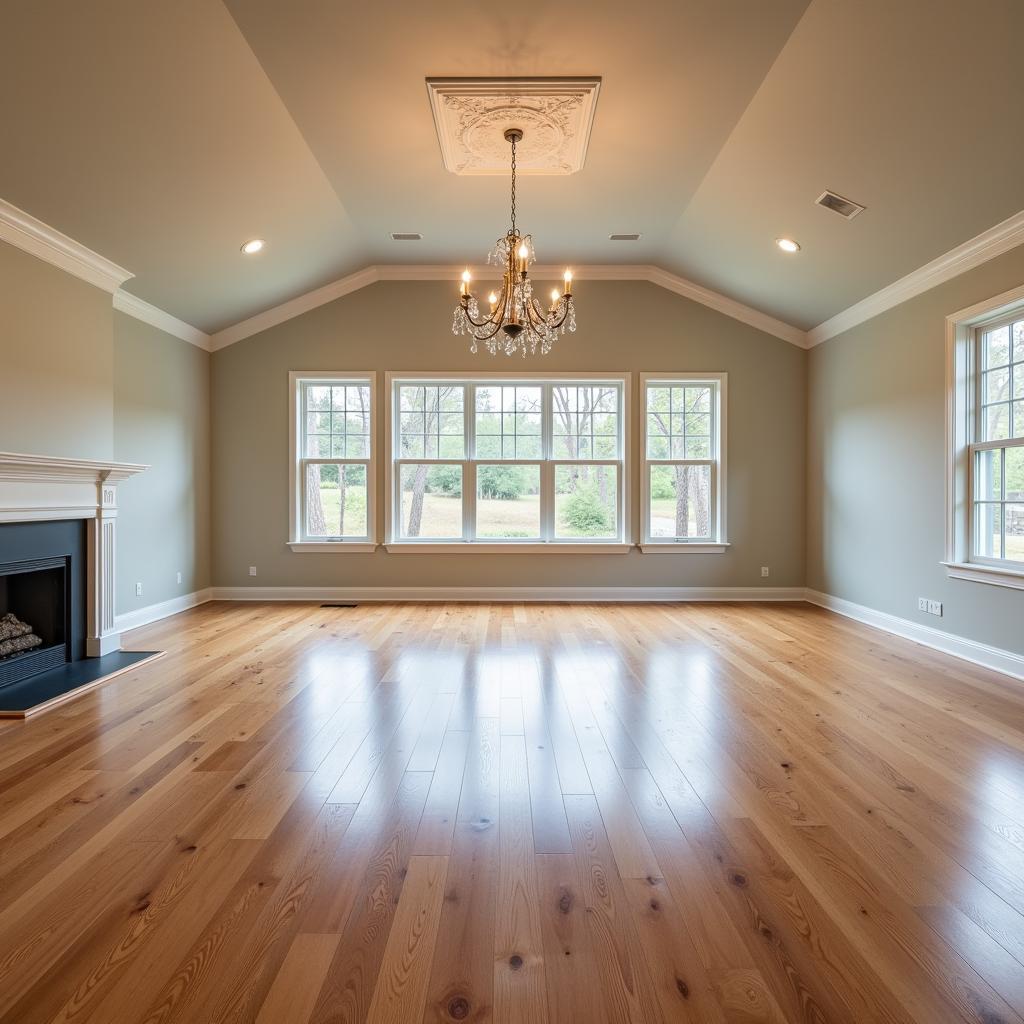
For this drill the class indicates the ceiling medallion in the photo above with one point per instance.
(555, 113)
(516, 322)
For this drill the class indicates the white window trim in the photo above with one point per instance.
(720, 542)
(295, 484)
(398, 545)
(961, 368)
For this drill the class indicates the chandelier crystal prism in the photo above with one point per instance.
(517, 322)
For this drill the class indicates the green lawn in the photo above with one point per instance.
(518, 517)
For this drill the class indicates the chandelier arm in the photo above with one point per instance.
(542, 319)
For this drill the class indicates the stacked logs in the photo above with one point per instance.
(16, 636)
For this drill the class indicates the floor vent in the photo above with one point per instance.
(625, 238)
(338, 604)
(406, 236)
(838, 204)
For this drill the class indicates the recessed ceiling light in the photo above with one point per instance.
(634, 237)
(253, 246)
(787, 244)
(406, 236)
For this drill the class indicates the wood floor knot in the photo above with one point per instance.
(458, 1008)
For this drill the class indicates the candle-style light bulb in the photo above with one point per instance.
(568, 282)
(523, 251)
(554, 297)
(465, 281)
(492, 299)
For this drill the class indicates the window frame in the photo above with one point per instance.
(468, 544)
(964, 408)
(718, 543)
(298, 541)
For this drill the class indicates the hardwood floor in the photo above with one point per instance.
(538, 813)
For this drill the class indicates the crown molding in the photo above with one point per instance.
(435, 272)
(988, 245)
(31, 235)
(132, 305)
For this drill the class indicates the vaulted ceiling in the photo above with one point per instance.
(163, 135)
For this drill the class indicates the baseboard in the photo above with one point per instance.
(523, 594)
(153, 612)
(949, 643)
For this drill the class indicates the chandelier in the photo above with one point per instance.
(516, 321)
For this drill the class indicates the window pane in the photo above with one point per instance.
(508, 421)
(680, 501)
(507, 501)
(1018, 342)
(1014, 474)
(586, 501)
(679, 422)
(430, 421)
(1018, 381)
(997, 347)
(988, 530)
(989, 475)
(582, 413)
(996, 386)
(318, 396)
(336, 421)
(431, 501)
(335, 500)
(1017, 428)
(996, 420)
(1014, 515)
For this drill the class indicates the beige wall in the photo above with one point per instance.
(56, 361)
(405, 326)
(876, 465)
(161, 417)
(79, 380)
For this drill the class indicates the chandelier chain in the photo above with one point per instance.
(513, 187)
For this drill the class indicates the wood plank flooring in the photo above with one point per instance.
(535, 813)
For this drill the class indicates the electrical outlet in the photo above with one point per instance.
(252, 570)
(179, 577)
(138, 590)
(764, 570)
(922, 604)
(934, 607)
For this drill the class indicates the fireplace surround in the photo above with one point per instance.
(38, 488)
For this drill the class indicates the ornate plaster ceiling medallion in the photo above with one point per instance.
(554, 114)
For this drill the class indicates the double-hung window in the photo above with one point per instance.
(683, 475)
(505, 462)
(985, 442)
(332, 483)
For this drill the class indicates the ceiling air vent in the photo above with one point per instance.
(406, 236)
(625, 238)
(838, 204)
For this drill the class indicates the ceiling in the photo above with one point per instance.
(164, 135)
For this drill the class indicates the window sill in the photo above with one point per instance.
(684, 548)
(334, 547)
(978, 572)
(479, 548)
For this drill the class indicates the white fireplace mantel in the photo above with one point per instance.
(36, 488)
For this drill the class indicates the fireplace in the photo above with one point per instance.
(42, 597)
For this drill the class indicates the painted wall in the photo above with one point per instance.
(161, 417)
(80, 380)
(404, 326)
(876, 465)
(56, 361)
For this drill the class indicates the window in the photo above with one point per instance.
(683, 475)
(505, 462)
(333, 479)
(985, 442)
